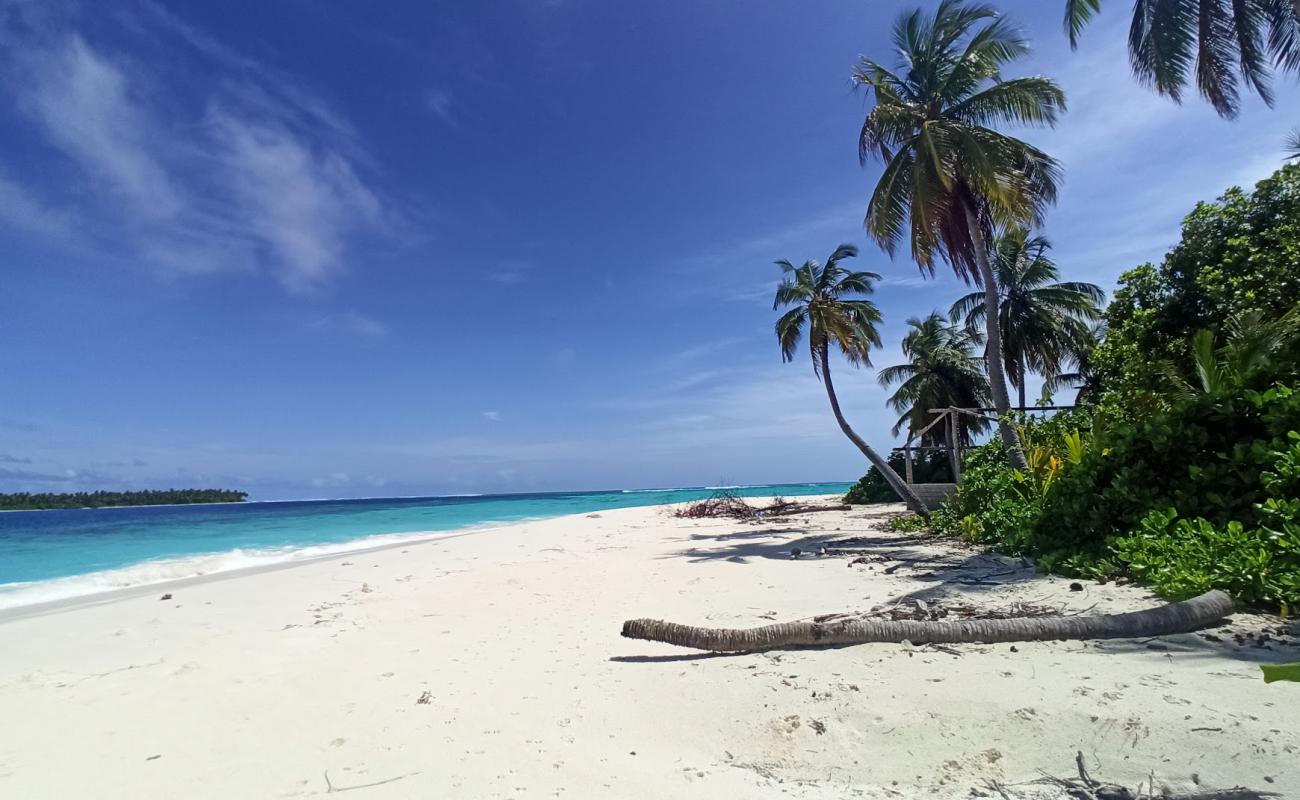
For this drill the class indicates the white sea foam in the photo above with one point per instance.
(162, 570)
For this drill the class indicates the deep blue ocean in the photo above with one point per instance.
(50, 555)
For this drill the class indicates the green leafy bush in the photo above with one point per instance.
(1259, 565)
(1237, 254)
(907, 523)
(1205, 457)
(927, 467)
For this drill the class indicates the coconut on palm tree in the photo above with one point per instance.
(1225, 43)
(1041, 320)
(942, 371)
(950, 178)
(828, 305)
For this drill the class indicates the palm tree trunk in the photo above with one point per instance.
(958, 441)
(1021, 387)
(993, 352)
(950, 433)
(1183, 617)
(896, 483)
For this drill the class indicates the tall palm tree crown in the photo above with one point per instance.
(950, 179)
(822, 302)
(1226, 43)
(949, 176)
(828, 304)
(1041, 320)
(942, 371)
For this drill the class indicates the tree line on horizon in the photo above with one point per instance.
(33, 501)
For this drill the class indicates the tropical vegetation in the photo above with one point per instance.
(1179, 464)
(827, 304)
(942, 372)
(1182, 469)
(25, 501)
(1044, 323)
(951, 179)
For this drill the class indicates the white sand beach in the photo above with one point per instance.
(491, 666)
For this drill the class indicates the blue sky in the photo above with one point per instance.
(356, 249)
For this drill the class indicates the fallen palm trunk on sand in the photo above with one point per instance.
(1174, 618)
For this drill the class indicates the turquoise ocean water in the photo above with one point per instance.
(52, 555)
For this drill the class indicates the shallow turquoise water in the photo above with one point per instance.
(48, 555)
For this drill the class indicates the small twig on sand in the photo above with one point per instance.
(330, 788)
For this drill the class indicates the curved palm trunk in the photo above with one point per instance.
(1162, 621)
(993, 353)
(896, 483)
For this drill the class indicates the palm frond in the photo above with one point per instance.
(1078, 13)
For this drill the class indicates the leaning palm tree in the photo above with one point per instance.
(950, 179)
(942, 371)
(823, 304)
(1041, 320)
(1216, 38)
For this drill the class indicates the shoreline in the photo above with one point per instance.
(10, 613)
(492, 666)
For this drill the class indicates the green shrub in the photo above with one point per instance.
(990, 505)
(927, 467)
(1259, 565)
(907, 523)
(1205, 457)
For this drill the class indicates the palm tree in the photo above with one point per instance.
(1293, 145)
(823, 304)
(1084, 377)
(1041, 320)
(950, 179)
(1218, 38)
(941, 372)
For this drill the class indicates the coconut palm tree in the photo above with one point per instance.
(942, 371)
(950, 179)
(1083, 377)
(1216, 38)
(1041, 320)
(828, 304)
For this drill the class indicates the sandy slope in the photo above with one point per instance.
(261, 685)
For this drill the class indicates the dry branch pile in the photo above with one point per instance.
(726, 504)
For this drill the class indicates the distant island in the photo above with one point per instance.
(24, 501)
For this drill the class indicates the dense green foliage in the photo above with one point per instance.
(1185, 472)
(41, 500)
(1256, 562)
(1204, 457)
(1238, 254)
(927, 467)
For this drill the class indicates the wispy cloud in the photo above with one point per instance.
(494, 416)
(441, 103)
(248, 173)
(351, 322)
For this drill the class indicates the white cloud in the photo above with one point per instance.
(494, 416)
(264, 177)
(440, 102)
(350, 321)
(83, 102)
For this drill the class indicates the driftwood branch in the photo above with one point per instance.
(1183, 617)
